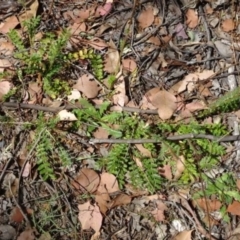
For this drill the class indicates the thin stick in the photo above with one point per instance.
(228, 138)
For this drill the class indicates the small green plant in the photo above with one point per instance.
(96, 62)
(50, 153)
(44, 58)
(120, 159)
(223, 186)
(228, 102)
(199, 154)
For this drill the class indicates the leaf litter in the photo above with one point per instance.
(151, 61)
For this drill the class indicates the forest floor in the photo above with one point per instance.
(119, 120)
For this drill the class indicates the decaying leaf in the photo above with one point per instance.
(184, 235)
(192, 18)
(228, 25)
(87, 180)
(166, 172)
(121, 199)
(129, 64)
(104, 202)
(120, 98)
(30, 12)
(144, 151)
(147, 99)
(146, 17)
(112, 59)
(75, 95)
(26, 235)
(65, 115)
(87, 85)
(207, 205)
(180, 166)
(108, 183)
(16, 215)
(104, 10)
(166, 104)
(234, 208)
(8, 24)
(90, 216)
(158, 212)
(5, 87)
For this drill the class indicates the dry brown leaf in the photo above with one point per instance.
(6, 48)
(166, 104)
(234, 208)
(184, 235)
(103, 10)
(135, 192)
(8, 24)
(108, 183)
(101, 133)
(27, 170)
(153, 197)
(4, 63)
(188, 83)
(75, 95)
(204, 90)
(65, 115)
(87, 180)
(85, 14)
(228, 25)
(5, 87)
(154, 40)
(196, 105)
(77, 28)
(35, 93)
(30, 12)
(96, 236)
(166, 171)
(235, 234)
(16, 215)
(158, 212)
(208, 9)
(129, 64)
(192, 18)
(87, 85)
(120, 98)
(45, 236)
(147, 98)
(121, 199)
(146, 17)
(179, 167)
(205, 74)
(97, 43)
(26, 235)
(112, 59)
(207, 205)
(144, 151)
(90, 216)
(138, 162)
(104, 202)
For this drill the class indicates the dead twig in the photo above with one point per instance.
(228, 138)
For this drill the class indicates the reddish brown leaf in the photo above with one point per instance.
(234, 208)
